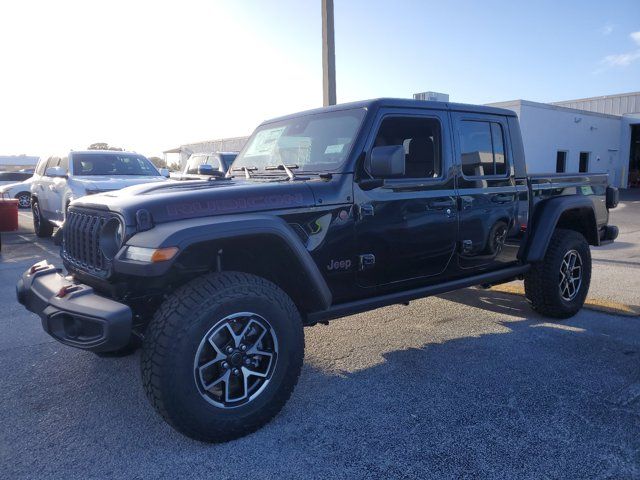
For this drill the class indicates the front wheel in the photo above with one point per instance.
(558, 285)
(41, 225)
(222, 355)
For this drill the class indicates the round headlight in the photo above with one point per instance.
(111, 237)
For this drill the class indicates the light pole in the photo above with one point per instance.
(328, 55)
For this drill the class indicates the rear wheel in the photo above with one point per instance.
(222, 355)
(24, 199)
(558, 285)
(41, 225)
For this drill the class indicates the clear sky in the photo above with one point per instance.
(150, 76)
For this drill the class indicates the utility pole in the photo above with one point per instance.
(328, 55)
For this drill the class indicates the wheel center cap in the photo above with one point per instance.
(236, 359)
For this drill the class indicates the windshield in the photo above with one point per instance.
(112, 164)
(196, 160)
(312, 143)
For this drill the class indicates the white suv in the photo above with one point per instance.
(59, 180)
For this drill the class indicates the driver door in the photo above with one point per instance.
(407, 227)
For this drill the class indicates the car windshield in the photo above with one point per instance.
(112, 164)
(313, 143)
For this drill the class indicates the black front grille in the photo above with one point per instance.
(81, 241)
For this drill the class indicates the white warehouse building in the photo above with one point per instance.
(596, 135)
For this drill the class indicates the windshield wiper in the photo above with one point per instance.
(246, 170)
(286, 168)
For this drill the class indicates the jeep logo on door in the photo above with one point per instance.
(339, 265)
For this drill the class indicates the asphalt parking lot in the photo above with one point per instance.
(466, 384)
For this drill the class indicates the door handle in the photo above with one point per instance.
(502, 198)
(442, 204)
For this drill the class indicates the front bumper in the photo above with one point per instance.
(75, 316)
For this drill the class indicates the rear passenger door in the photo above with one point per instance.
(487, 191)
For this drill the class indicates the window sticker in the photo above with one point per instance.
(264, 142)
(333, 149)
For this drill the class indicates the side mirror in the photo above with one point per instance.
(386, 162)
(55, 172)
(164, 172)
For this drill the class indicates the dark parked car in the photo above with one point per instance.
(323, 214)
(202, 166)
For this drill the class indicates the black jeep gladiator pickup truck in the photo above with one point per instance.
(323, 214)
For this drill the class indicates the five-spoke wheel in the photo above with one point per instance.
(558, 285)
(570, 275)
(235, 359)
(222, 354)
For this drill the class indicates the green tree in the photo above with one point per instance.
(103, 146)
(158, 162)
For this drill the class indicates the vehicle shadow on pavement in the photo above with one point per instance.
(513, 397)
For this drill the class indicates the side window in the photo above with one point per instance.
(584, 162)
(482, 148)
(213, 161)
(52, 162)
(561, 161)
(41, 166)
(64, 163)
(194, 162)
(421, 140)
(497, 138)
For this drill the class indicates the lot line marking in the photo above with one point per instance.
(597, 304)
(34, 243)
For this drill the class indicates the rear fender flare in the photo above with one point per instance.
(545, 221)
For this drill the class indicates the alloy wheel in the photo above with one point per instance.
(570, 278)
(24, 200)
(36, 216)
(235, 360)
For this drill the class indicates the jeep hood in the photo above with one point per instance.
(179, 200)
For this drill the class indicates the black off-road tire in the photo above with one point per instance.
(541, 283)
(41, 226)
(173, 338)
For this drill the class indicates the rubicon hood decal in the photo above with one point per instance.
(231, 205)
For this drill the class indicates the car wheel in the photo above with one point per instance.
(41, 226)
(558, 285)
(222, 355)
(24, 199)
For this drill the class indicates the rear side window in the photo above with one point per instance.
(482, 149)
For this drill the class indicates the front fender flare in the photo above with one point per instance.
(184, 233)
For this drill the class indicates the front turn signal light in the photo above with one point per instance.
(150, 255)
(164, 254)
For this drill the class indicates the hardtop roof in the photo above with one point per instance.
(401, 103)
